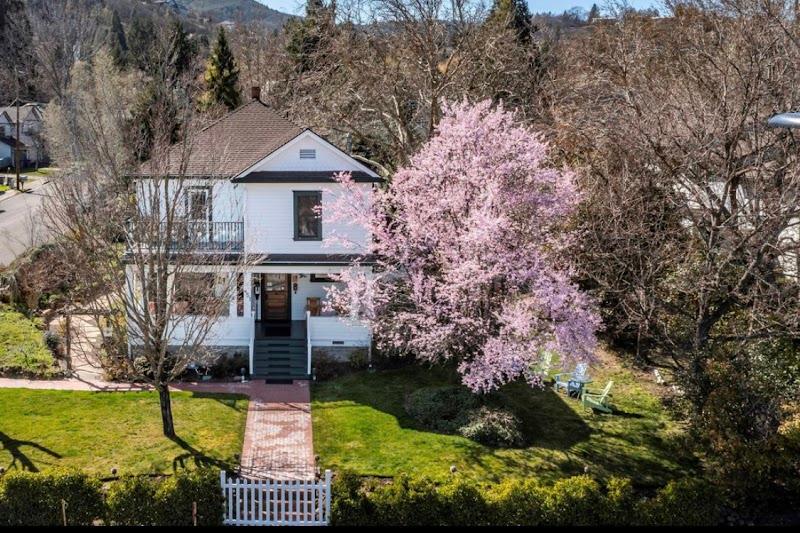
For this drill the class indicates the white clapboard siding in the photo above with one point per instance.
(333, 330)
(270, 502)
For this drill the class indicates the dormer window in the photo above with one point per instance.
(308, 153)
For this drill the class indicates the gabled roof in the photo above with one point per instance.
(27, 112)
(230, 145)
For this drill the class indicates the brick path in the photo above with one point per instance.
(278, 438)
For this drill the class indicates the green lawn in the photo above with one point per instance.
(360, 424)
(98, 431)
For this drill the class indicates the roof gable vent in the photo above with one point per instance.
(308, 153)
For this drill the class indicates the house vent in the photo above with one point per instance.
(308, 153)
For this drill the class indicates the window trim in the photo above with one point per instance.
(300, 194)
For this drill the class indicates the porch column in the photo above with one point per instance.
(248, 293)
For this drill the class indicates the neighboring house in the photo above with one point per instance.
(253, 185)
(31, 130)
(6, 152)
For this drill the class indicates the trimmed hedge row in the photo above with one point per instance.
(34, 499)
(578, 500)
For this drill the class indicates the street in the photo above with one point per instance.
(20, 221)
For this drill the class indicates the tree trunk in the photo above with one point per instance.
(166, 410)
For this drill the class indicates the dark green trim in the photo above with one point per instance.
(306, 194)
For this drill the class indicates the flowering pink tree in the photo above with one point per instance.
(469, 240)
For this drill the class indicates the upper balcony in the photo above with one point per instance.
(206, 236)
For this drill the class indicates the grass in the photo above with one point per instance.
(360, 424)
(22, 347)
(3, 188)
(98, 431)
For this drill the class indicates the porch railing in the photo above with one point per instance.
(203, 235)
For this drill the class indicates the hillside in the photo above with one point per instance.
(234, 10)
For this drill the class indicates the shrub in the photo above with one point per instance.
(327, 367)
(493, 427)
(34, 499)
(227, 367)
(175, 495)
(407, 502)
(359, 359)
(22, 346)
(442, 409)
(574, 501)
(687, 502)
(131, 502)
(518, 503)
(349, 504)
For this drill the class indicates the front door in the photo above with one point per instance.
(275, 297)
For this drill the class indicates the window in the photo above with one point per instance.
(308, 153)
(198, 203)
(322, 278)
(239, 294)
(199, 293)
(307, 216)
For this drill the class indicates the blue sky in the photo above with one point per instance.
(556, 6)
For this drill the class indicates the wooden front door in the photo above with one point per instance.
(276, 298)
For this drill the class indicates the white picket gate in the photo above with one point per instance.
(271, 502)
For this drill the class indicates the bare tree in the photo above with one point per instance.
(140, 249)
(692, 204)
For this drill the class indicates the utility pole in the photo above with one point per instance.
(16, 144)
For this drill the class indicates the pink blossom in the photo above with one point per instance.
(469, 239)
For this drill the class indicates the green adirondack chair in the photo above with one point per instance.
(597, 400)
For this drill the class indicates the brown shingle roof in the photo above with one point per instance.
(228, 146)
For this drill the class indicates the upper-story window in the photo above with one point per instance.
(198, 203)
(307, 216)
(308, 153)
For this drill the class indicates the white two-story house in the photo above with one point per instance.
(257, 185)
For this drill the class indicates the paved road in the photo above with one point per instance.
(20, 223)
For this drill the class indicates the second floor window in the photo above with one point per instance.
(198, 203)
(307, 216)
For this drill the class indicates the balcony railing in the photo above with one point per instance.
(206, 236)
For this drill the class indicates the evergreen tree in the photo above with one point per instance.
(142, 36)
(594, 12)
(117, 43)
(221, 76)
(307, 36)
(182, 50)
(512, 14)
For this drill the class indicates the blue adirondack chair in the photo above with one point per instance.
(563, 380)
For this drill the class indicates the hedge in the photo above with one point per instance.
(578, 500)
(34, 499)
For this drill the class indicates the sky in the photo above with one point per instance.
(555, 6)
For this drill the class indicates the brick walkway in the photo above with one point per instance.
(278, 438)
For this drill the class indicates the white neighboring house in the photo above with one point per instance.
(255, 183)
(31, 131)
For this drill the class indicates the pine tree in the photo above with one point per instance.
(142, 36)
(182, 50)
(221, 76)
(512, 14)
(307, 36)
(594, 12)
(117, 43)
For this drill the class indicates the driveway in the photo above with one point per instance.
(20, 222)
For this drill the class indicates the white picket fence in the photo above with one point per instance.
(270, 502)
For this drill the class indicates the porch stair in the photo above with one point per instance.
(280, 359)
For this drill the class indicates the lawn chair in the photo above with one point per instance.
(543, 368)
(562, 381)
(598, 400)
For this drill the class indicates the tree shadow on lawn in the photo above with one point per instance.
(17, 456)
(194, 456)
(560, 438)
(237, 402)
